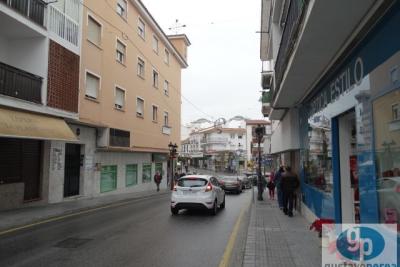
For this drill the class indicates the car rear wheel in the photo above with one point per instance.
(214, 209)
(222, 206)
(174, 211)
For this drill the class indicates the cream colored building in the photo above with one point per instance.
(130, 103)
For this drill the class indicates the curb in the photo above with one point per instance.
(76, 212)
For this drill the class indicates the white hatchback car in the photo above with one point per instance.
(197, 192)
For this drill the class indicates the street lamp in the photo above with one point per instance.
(260, 132)
(172, 155)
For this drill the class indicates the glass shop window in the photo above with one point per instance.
(387, 155)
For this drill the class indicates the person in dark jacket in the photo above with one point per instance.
(289, 184)
(157, 179)
(278, 179)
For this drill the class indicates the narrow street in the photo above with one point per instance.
(141, 233)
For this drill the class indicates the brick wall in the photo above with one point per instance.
(63, 78)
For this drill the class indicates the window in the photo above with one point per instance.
(166, 58)
(139, 107)
(92, 86)
(166, 122)
(166, 87)
(131, 174)
(394, 74)
(240, 136)
(121, 52)
(155, 79)
(119, 138)
(140, 67)
(146, 173)
(155, 113)
(155, 44)
(108, 178)
(232, 136)
(396, 111)
(141, 28)
(122, 8)
(119, 98)
(94, 31)
(159, 168)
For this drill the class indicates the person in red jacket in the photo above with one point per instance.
(157, 180)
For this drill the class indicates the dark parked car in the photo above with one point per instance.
(231, 184)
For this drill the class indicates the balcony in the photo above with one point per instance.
(20, 84)
(265, 100)
(267, 75)
(63, 26)
(289, 36)
(32, 9)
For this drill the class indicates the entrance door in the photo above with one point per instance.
(72, 169)
(348, 167)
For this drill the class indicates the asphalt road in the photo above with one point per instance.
(141, 233)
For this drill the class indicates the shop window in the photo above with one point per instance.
(146, 173)
(108, 178)
(318, 155)
(387, 155)
(159, 168)
(131, 174)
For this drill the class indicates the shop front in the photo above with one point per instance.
(350, 134)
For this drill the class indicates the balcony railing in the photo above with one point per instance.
(63, 26)
(32, 9)
(20, 84)
(293, 20)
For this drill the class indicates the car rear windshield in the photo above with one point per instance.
(192, 182)
(229, 178)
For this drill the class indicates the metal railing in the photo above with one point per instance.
(63, 26)
(293, 20)
(20, 84)
(32, 9)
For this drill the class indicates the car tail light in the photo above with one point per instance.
(398, 189)
(209, 187)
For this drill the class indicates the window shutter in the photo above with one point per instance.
(119, 97)
(94, 31)
(92, 85)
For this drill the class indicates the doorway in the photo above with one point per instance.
(349, 194)
(72, 169)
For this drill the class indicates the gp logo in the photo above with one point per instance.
(360, 243)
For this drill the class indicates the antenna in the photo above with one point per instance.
(177, 27)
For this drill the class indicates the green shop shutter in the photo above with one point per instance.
(108, 179)
(131, 174)
(159, 168)
(146, 176)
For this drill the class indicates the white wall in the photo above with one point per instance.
(285, 134)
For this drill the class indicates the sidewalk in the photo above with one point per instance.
(276, 240)
(28, 215)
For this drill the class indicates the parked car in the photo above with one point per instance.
(231, 184)
(197, 192)
(246, 182)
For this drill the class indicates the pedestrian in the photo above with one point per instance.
(277, 180)
(157, 180)
(176, 177)
(186, 168)
(289, 184)
(271, 188)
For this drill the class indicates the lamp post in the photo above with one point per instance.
(260, 132)
(172, 154)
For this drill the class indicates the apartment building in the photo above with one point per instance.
(39, 88)
(129, 98)
(332, 83)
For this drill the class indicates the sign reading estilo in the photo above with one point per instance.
(344, 82)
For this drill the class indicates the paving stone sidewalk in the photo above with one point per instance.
(23, 216)
(277, 240)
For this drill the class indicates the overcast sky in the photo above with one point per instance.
(223, 77)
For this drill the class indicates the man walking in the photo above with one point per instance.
(289, 184)
(157, 180)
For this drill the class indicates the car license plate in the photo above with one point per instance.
(187, 192)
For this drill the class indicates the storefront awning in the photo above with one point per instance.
(19, 124)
